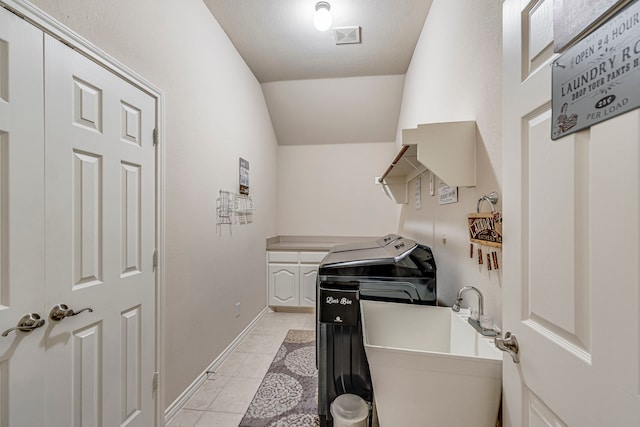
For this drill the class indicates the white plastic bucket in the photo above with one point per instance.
(349, 410)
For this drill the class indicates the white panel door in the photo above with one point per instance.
(100, 239)
(571, 247)
(21, 220)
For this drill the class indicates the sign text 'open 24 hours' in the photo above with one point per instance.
(599, 77)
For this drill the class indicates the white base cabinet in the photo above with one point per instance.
(284, 287)
(308, 276)
(292, 278)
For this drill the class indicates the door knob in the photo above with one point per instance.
(27, 323)
(61, 311)
(509, 344)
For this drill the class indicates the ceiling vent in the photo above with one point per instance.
(347, 35)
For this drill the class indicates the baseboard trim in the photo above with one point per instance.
(173, 409)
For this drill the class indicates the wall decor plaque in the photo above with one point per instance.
(447, 195)
(598, 78)
(485, 228)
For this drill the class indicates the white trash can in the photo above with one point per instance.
(349, 410)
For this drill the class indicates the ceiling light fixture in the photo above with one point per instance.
(322, 18)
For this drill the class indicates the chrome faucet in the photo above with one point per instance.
(456, 306)
(489, 332)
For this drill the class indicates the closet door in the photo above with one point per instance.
(100, 240)
(21, 221)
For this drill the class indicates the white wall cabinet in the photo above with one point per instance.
(292, 278)
(448, 150)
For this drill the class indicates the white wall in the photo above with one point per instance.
(329, 190)
(215, 113)
(456, 74)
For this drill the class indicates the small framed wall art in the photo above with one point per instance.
(244, 177)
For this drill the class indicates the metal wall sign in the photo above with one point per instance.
(599, 77)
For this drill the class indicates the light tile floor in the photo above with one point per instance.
(225, 396)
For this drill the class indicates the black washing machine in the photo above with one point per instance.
(393, 269)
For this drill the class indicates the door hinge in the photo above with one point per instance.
(156, 380)
(155, 259)
(155, 136)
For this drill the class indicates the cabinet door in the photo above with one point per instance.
(283, 285)
(308, 276)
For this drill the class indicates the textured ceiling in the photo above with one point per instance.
(278, 41)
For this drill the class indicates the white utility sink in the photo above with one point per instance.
(429, 367)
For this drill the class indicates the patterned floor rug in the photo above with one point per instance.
(288, 394)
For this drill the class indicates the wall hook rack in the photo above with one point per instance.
(233, 208)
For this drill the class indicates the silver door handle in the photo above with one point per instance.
(27, 323)
(509, 344)
(61, 311)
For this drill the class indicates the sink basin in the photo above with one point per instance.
(429, 366)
